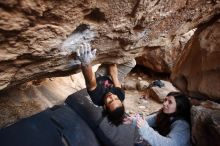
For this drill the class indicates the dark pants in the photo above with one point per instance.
(58, 126)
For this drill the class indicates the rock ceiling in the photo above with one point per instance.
(33, 32)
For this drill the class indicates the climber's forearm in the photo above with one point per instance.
(113, 71)
(115, 81)
(89, 76)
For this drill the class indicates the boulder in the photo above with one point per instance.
(129, 84)
(205, 125)
(163, 58)
(142, 84)
(159, 93)
(197, 71)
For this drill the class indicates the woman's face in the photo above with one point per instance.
(169, 105)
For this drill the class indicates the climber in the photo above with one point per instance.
(104, 87)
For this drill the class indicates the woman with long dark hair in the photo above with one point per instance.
(170, 126)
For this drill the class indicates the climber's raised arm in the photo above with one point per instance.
(86, 55)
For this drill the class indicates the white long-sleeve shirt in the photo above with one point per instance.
(179, 134)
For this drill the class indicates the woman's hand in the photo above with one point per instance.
(128, 120)
(140, 121)
(137, 120)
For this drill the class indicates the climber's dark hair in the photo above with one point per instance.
(116, 117)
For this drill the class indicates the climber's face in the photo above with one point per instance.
(112, 101)
(169, 105)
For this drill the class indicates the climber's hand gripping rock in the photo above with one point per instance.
(85, 54)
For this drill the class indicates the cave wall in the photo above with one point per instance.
(32, 33)
(197, 72)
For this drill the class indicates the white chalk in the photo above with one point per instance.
(74, 41)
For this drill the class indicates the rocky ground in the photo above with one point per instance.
(138, 101)
(135, 103)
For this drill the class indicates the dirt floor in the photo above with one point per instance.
(136, 104)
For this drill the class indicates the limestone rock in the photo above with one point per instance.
(160, 93)
(32, 33)
(141, 107)
(141, 85)
(205, 126)
(35, 96)
(163, 58)
(129, 84)
(198, 70)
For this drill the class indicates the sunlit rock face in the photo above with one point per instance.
(33, 97)
(163, 58)
(32, 33)
(198, 70)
